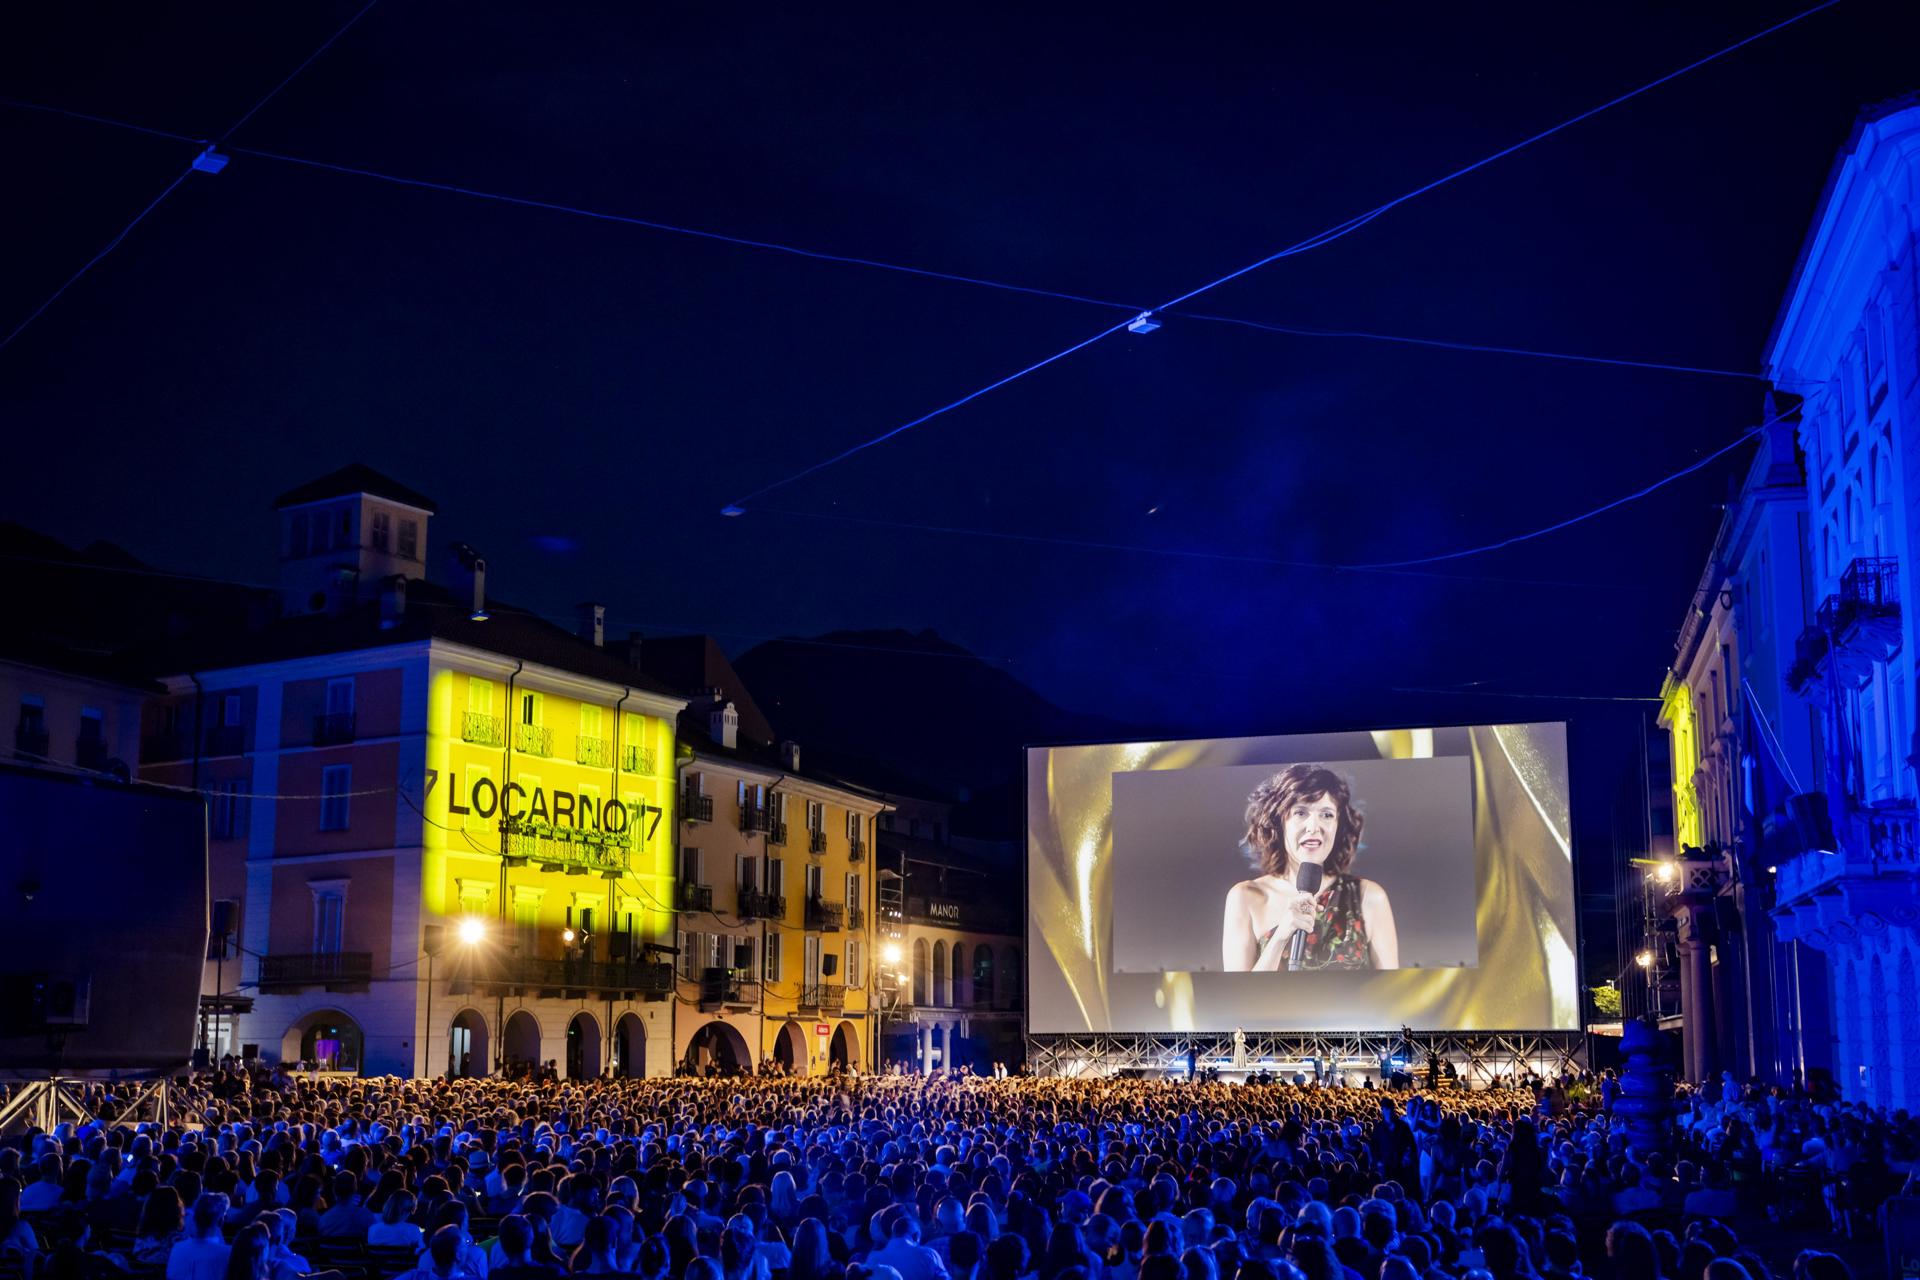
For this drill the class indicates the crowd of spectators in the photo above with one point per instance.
(275, 1177)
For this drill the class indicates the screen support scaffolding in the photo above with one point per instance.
(1477, 1056)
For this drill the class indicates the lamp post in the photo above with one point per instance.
(469, 933)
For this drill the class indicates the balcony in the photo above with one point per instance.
(722, 987)
(533, 739)
(752, 818)
(1835, 900)
(827, 997)
(595, 753)
(638, 760)
(226, 740)
(696, 897)
(755, 905)
(334, 970)
(537, 974)
(825, 917)
(856, 917)
(696, 808)
(483, 730)
(816, 842)
(575, 850)
(856, 851)
(31, 742)
(332, 728)
(776, 832)
(1853, 628)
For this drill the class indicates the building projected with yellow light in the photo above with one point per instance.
(442, 830)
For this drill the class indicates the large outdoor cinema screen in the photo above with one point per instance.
(1356, 881)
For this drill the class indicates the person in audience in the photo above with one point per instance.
(202, 1254)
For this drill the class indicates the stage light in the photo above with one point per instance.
(1664, 873)
(1143, 323)
(210, 161)
(472, 930)
(1644, 959)
(891, 953)
(566, 935)
(1773, 871)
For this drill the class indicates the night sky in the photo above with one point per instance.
(582, 396)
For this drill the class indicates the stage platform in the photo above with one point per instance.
(1478, 1058)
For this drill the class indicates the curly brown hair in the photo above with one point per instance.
(1267, 808)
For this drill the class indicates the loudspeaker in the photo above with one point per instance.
(829, 965)
(78, 994)
(742, 955)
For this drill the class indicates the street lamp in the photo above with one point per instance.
(1664, 873)
(469, 933)
(1644, 959)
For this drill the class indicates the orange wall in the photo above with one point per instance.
(370, 817)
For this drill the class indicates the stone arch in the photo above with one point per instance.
(1881, 1061)
(327, 1037)
(940, 988)
(720, 1046)
(845, 1049)
(630, 1047)
(983, 976)
(1009, 975)
(583, 1046)
(520, 1043)
(920, 974)
(962, 989)
(467, 1043)
(790, 1048)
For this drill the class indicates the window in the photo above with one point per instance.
(590, 720)
(409, 539)
(696, 783)
(33, 715)
(336, 784)
(810, 959)
(856, 964)
(690, 869)
(230, 711)
(329, 918)
(854, 897)
(479, 696)
(816, 882)
(93, 728)
(750, 946)
(746, 873)
(772, 971)
(533, 707)
(224, 809)
(853, 827)
(340, 696)
(526, 925)
(816, 816)
(472, 776)
(776, 877)
(379, 530)
(776, 803)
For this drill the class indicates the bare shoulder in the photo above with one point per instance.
(1371, 894)
(1247, 893)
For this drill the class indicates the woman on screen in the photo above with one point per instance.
(1304, 814)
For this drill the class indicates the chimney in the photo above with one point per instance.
(633, 648)
(469, 580)
(393, 601)
(593, 623)
(790, 756)
(723, 725)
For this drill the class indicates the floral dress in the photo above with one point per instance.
(1339, 936)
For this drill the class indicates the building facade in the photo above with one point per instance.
(441, 832)
(776, 922)
(951, 945)
(1848, 342)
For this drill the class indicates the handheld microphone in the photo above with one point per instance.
(1307, 879)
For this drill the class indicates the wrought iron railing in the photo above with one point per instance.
(696, 897)
(483, 730)
(725, 986)
(330, 969)
(856, 917)
(534, 739)
(330, 728)
(828, 917)
(752, 818)
(695, 807)
(828, 997)
(596, 753)
(575, 850)
(637, 759)
(856, 851)
(816, 842)
(755, 905)
(776, 832)
(648, 977)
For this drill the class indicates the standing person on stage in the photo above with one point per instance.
(1305, 814)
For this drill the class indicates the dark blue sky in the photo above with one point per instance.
(581, 396)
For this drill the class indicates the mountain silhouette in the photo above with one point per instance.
(915, 713)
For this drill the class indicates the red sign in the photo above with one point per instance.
(822, 1029)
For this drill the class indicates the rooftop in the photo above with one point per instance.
(355, 477)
